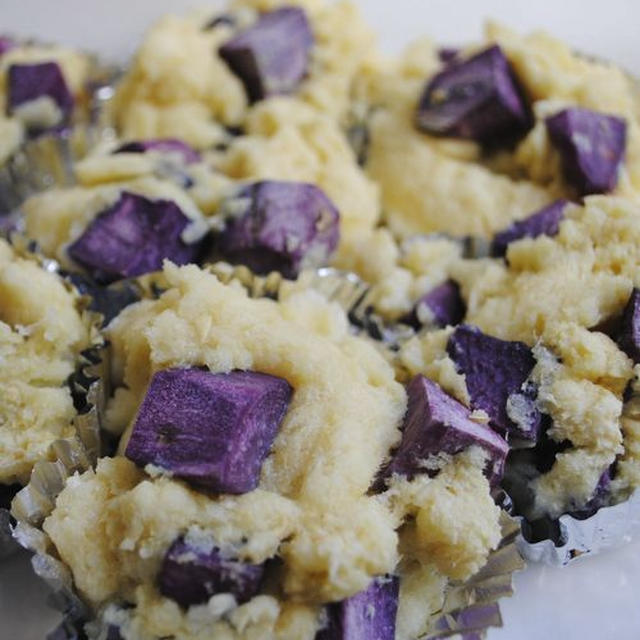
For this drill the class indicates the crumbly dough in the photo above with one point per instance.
(74, 65)
(113, 526)
(41, 335)
(179, 87)
(553, 294)
(438, 184)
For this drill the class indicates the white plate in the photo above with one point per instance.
(594, 599)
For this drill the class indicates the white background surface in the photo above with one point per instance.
(597, 598)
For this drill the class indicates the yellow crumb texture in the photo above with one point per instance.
(41, 335)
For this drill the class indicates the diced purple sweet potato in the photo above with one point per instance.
(191, 575)
(600, 498)
(592, 147)
(441, 306)
(437, 423)
(496, 374)
(189, 155)
(132, 237)
(281, 226)
(369, 615)
(212, 430)
(28, 82)
(629, 338)
(477, 98)
(272, 56)
(6, 44)
(546, 222)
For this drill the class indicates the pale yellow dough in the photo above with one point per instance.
(311, 507)
(41, 335)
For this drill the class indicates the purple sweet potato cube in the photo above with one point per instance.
(28, 82)
(496, 374)
(629, 338)
(132, 237)
(546, 222)
(6, 44)
(369, 615)
(189, 155)
(191, 574)
(272, 56)
(592, 147)
(437, 423)
(281, 226)
(478, 98)
(212, 430)
(441, 306)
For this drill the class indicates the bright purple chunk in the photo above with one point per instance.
(132, 237)
(28, 82)
(272, 56)
(281, 226)
(191, 575)
(477, 98)
(369, 615)
(6, 44)
(592, 147)
(189, 155)
(546, 222)
(212, 430)
(496, 374)
(441, 306)
(437, 423)
(629, 338)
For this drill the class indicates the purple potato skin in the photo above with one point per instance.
(28, 82)
(592, 147)
(599, 499)
(437, 423)
(272, 56)
(189, 155)
(368, 615)
(494, 370)
(477, 99)
(546, 222)
(447, 55)
(286, 227)
(190, 576)
(629, 338)
(212, 430)
(445, 304)
(133, 237)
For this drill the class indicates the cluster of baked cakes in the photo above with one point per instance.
(280, 457)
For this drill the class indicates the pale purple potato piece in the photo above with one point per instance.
(496, 373)
(132, 237)
(272, 56)
(369, 615)
(28, 82)
(599, 499)
(629, 338)
(189, 155)
(191, 575)
(592, 147)
(285, 226)
(476, 98)
(6, 44)
(437, 423)
(212, 430)
(443, 303)
(546, 221)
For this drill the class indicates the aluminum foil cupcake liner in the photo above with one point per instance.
(47, 160)
(570, 538)
(89, 390)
